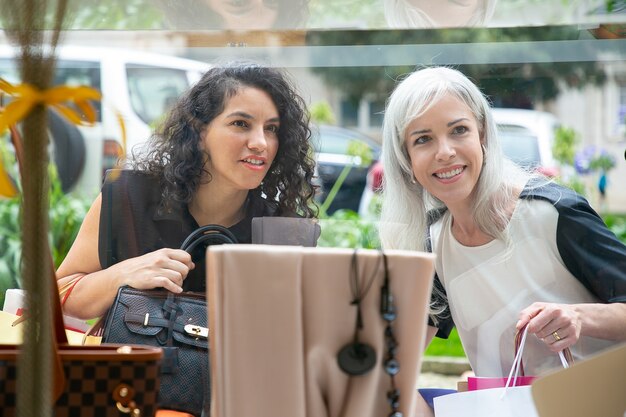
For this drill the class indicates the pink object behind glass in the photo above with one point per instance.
(475, 382)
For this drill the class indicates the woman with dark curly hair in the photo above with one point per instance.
(234, 147)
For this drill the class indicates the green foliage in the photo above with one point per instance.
(322, 113)
(565, 143)
(66, 215)
(602, 162)
(446, 347)
(362, 152)
(117, 14)
(346, 229)
(372, 212)
(10, 246)
(326, 13)
(575, 183)
(617, 224)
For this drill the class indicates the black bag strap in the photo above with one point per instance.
(211, 233)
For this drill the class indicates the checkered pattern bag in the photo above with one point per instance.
(89, 381)
(100, 381)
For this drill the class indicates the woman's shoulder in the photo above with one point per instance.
(573, 211)
(125, 185)
(129, 177)
(559, 196)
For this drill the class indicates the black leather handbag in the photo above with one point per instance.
(178, 324)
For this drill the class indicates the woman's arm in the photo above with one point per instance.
(597, 258)
(95, 292)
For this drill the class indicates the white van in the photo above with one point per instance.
(527, 138)
(138, 85)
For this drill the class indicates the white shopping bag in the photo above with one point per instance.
(492, 402)
(508, 401)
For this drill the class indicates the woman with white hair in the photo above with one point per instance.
(513, 248)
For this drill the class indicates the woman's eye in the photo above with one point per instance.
(272, 128)
(459, 130)
(240, 123)
(421, 140)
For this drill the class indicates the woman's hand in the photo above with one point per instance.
(163, 268)
(558, 325)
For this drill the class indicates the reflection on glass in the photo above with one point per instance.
(442, 13)
(557, 12)
(235, 14)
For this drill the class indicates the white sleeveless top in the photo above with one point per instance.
(488, 287)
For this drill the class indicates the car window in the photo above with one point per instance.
(8, 71)
(337, 140)
(332, 143)
(153, 90)
(80, 73)
(520, 147)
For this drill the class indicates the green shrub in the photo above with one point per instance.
(346, 229)
(446, 347)
(66, 215)
(617, 224)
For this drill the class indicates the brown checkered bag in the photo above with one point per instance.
(108, 380)
(93, 381)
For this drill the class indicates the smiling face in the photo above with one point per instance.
(242, 141)
(444, 146)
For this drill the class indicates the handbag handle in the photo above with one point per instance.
(520, 337)
(212, 233)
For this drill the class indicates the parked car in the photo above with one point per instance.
(139, 86)
(526, 137)
(331, 145)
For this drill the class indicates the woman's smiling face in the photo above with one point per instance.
(444, 146)
(242, 141)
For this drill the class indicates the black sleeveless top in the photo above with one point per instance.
(133, 222)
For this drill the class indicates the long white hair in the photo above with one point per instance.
(407, 205)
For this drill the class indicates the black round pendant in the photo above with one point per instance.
(356, 358)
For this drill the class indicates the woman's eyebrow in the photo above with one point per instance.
(419, 132)
(457, 121)
(248, 116)
(240, 114)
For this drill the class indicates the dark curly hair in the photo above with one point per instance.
(173, 153)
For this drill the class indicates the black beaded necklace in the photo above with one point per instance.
(358, 358)
(391, 364)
